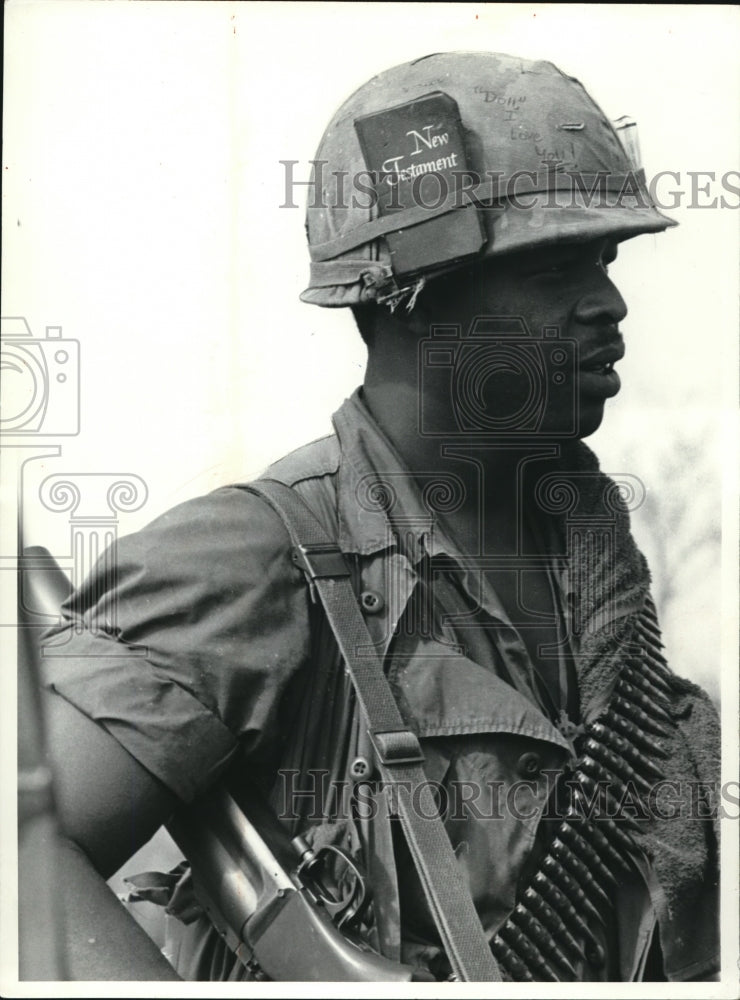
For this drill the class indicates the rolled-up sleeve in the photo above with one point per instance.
(185, 638)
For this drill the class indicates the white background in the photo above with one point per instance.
(141, 213)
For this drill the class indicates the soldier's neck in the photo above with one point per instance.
(490, 474)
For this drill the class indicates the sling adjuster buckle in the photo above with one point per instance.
(320, 560)
(397, 746)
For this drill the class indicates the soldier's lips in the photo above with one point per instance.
(596, 375)
(599, 380)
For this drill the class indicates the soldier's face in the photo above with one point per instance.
(527, 381)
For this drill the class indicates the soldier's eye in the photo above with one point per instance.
(553, 267)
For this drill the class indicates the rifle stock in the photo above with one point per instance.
(255, 899)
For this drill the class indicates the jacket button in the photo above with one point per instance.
(360, 768)
(529, 764)
(371, 602)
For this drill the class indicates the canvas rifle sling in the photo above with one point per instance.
(397, 749)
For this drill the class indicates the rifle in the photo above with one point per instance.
(267, 894)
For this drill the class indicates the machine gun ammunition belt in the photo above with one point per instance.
(548, 935)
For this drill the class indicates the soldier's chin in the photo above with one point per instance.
(569, 426)
(590, 416)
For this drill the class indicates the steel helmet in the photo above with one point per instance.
(461, 155)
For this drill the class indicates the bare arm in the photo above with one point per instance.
(108, 806)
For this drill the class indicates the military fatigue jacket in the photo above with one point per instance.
(215, 655)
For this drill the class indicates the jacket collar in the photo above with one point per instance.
(379, 501)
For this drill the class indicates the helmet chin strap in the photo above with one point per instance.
(411, 292)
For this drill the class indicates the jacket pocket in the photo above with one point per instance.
(491, 758)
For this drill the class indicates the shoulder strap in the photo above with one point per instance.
(397, 749)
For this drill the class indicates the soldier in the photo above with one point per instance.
(466, 207)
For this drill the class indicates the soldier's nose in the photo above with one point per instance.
(602, 303)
